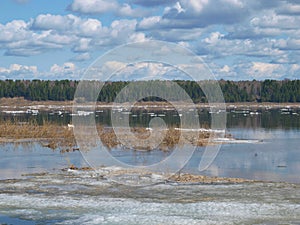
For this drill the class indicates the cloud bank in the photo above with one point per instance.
(239, 39)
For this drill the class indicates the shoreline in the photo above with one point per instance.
(186, 178)
(22, 104)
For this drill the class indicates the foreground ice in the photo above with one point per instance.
(82, 197)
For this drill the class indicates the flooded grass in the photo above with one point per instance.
(50, 134)
(54, 135)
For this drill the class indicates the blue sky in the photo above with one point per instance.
(238, 39)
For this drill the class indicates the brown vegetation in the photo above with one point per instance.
(53, 135)
(190, 178)
(185, 178)
(172, 138)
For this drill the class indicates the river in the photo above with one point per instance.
(35, 190)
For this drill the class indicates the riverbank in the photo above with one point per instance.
(19, 105)
(178, 178)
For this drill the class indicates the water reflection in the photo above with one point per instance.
(262, 118)
(274, 159)
(269, 119)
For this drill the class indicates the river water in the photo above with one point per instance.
(35, 190)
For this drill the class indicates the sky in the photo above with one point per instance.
(237, 39)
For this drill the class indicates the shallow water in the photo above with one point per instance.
(22, 158)
(275, 158)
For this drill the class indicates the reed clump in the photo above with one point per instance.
(53, 135)
(172, 137)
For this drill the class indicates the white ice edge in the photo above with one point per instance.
(201, 130)
(236, 141)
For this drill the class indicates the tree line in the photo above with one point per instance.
(233, 91)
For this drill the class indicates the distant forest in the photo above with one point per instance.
(233, 91)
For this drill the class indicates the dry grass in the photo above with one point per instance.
(53, 135)
(190, 178)
(172, 138)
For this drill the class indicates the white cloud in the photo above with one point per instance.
(214, 38)
(178, 35)
(273, 20)
(184, 44)
(93, 6)
(288, 44)
(53, 37)
(83, 45)
(17, 39)
(261, 70)
(149, 22)
(138, 71)
(82, 57)
(179, 8)
(126, 10)
(67, 70)
(153, 3)
(68, 24)
(17, 71)
(66, 67)
(188, 15)
(155, 70)
(146, 71)
(295, 68)
(217, 46)
(264, 67)
(237, 3)
(289, 9)
(55, 22)
(90, 27)
(17, 67)
(196, 68)
(137, 37)
(47, 32)
(122, 26)
(256, 70)
(14, 30)
(105, 6)
(196, 6)
(202, 13)
(113, 65)
(233, 33)
(155, 25)
(225, 69)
